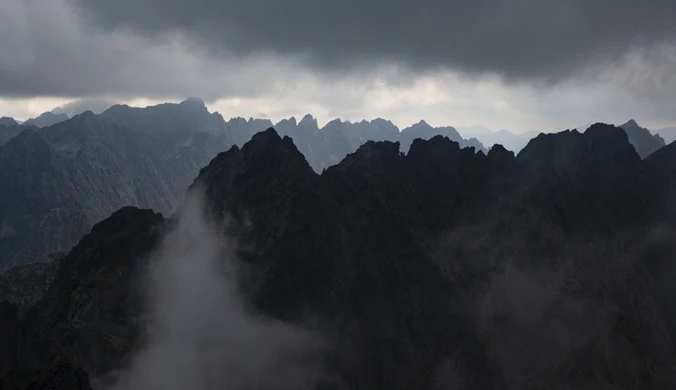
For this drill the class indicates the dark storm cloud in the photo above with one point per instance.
(47, 51)
(535, 40)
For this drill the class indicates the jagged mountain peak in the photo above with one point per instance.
(631, 122)
(421, 125)
(287, 122)
(309, 121)
(643, 140)
(602, 146)
(437, 144)
(500, 153)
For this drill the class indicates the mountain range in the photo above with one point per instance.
(79, 170)
(420, 265)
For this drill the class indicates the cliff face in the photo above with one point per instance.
(439, 268)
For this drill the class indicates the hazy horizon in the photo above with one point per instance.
(503, 65)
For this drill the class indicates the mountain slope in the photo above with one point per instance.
(39, 211)
(63, 179)
(184, 136)
(644, 142)
(109, 166)
(440, 267)
(9, 132)
(46, 119)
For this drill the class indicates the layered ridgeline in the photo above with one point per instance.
(167, 127)
(440, 268)
(59, 180)
(147, 157)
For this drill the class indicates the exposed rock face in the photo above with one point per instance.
(644, 142)
(439, 268)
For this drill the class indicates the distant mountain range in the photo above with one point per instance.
(77, 171)
(432, 269)
(511, 141)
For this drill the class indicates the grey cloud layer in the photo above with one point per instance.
(46, 50)
(544, 40)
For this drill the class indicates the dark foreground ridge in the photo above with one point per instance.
(441, 268)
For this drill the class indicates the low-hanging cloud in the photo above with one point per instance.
(200, 334)
(520, 65)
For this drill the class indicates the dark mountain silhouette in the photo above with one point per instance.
(144, 157)
(645, 142)
(46, 119)
(425, 131)
(433, 269)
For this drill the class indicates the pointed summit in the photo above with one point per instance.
(631, 122)
(309, 121)
(643, 140)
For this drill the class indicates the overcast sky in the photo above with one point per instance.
(518, 64)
